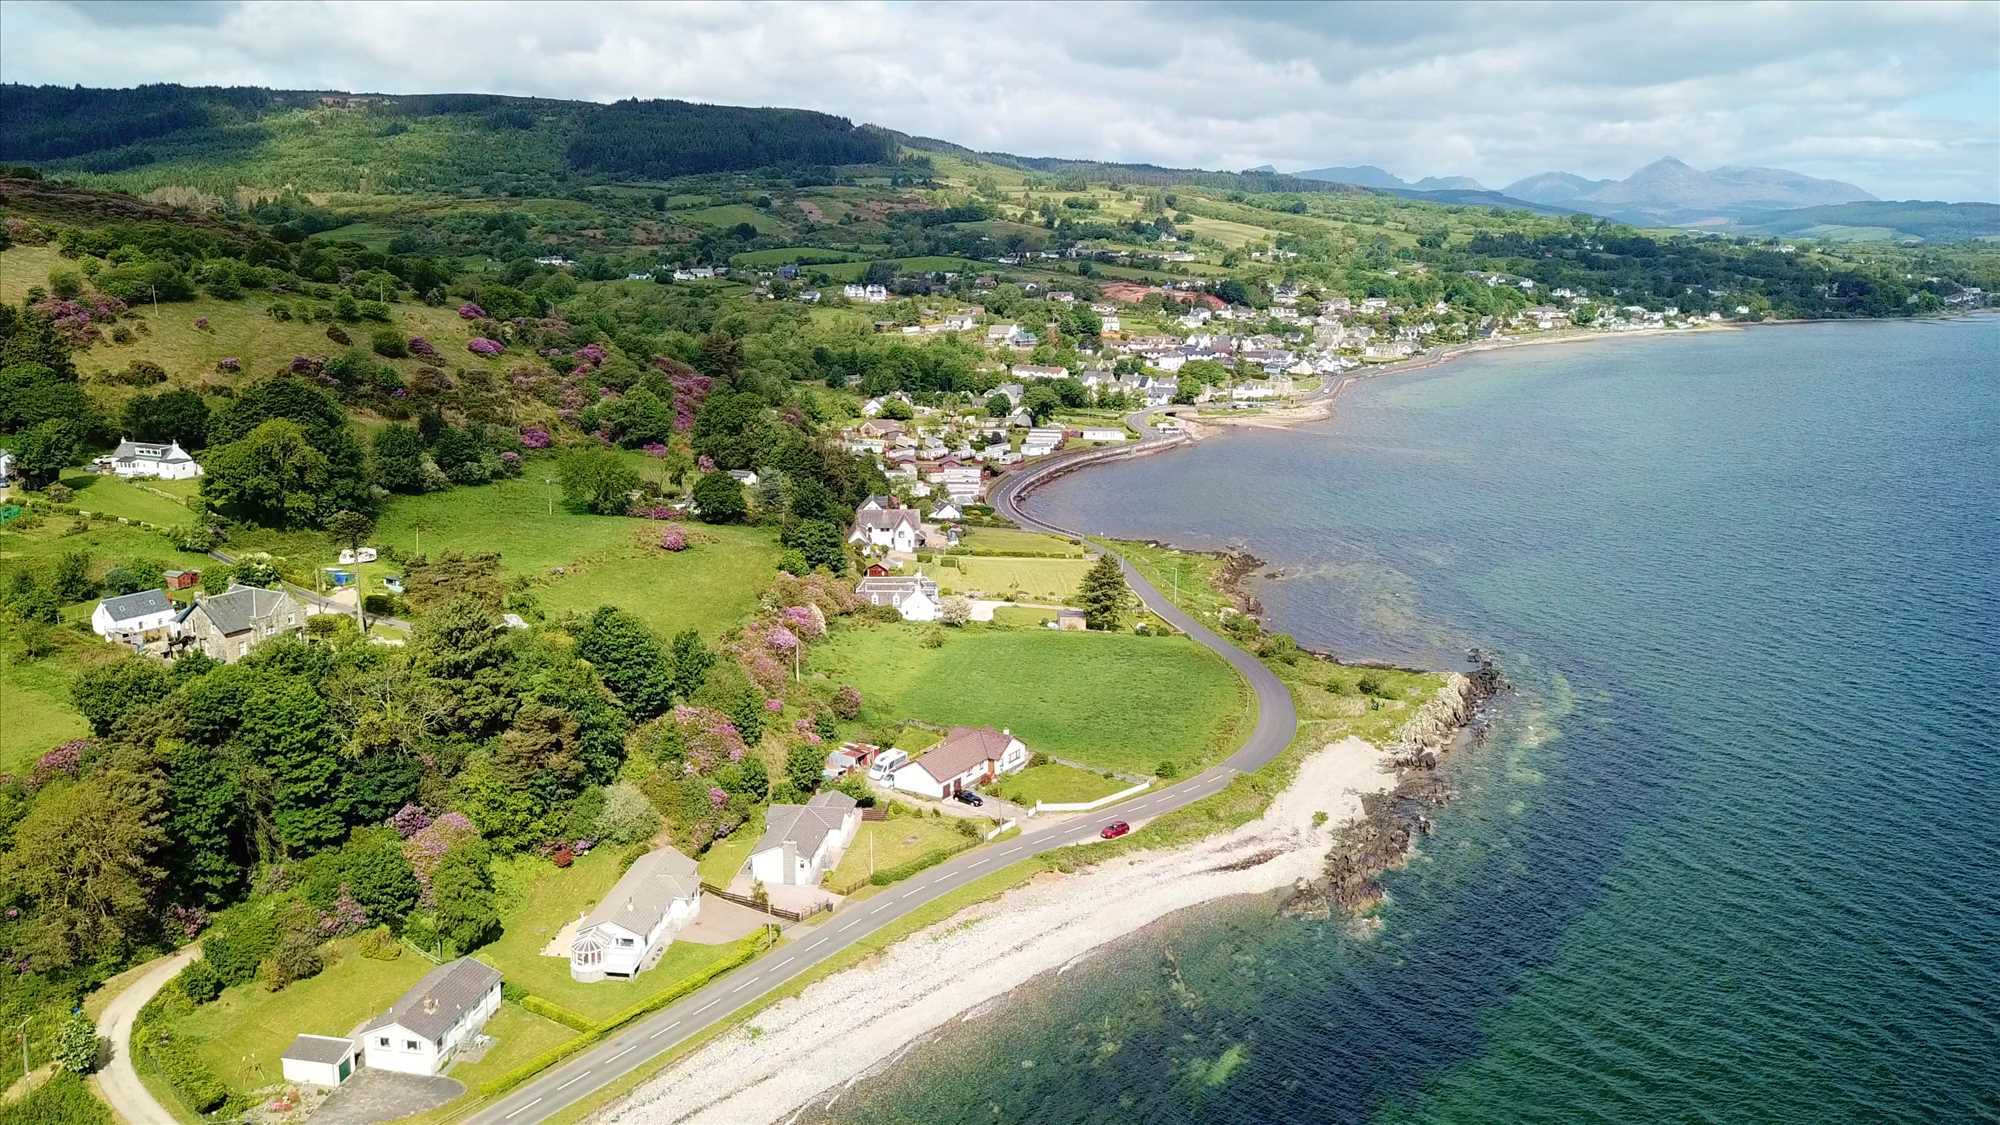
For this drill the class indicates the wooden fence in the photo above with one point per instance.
(773, 911)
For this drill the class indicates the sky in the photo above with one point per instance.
(1899, 98)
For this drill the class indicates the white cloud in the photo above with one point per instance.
(1901, 98)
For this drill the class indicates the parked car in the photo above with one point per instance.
(968, 797)
(1115, 829)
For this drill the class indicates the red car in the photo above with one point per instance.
(1115, 829)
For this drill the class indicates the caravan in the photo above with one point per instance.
(886, 765)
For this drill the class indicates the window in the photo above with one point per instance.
(624, 941)
(409, 1044)
(382, 1040)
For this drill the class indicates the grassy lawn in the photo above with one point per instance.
(34, 696)
(1116, 700)
(1055, 782)
(242, 1033)
(1189, 576)
(730, 214)
(1034, 579)
(1001, 540)
(1022, 617)
(606, 560)
(545, 899)
(726, 856)
(519, 1035)
(111, 496)
(882, 844)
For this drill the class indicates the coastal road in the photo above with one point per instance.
(619, 1055)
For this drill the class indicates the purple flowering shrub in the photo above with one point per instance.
(187, 921)
(480, 345)
(847, 702)
(673, 539)
(409, 820)
(774, 705)
(65, 760)
(347, 916)
(808, 621)
(470, 311)
(422, 347)
(699, 740)
(427, 847)
(654, 449)
(534, 437)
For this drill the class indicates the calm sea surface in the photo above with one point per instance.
(1732, 850)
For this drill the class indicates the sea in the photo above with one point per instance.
(1729, 850)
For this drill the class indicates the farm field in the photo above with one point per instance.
(1032, 579)
(606, 560)
(111, 496)
(1000, 540)
(730, 214)
(1115, 700)
(34, 695)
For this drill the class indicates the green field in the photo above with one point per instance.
(996, 540)
(883, 844)
(547, 897)
(1055, 782)
(730, 214)
(34, 695)
(1045, 580)
(1119, 701)
(725, 857)
(786, 255)
(605, 560)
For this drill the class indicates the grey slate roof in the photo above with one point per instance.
(804, 825)
(441, 999)
(166, 453)
(127, 606)
(319, 1048)
(238, 608)
(642, 895)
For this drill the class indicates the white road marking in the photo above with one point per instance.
(778, 964)
(704, 1007)
(741, 987)
(623, 1053)
(573, 1081)
(879, 909)
(664, 1030)
(522, 1110)
(980, 864)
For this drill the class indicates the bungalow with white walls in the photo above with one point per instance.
(637, 919)
(424, 1029)
(803, 842)
(165, 461)
(131, 616)
(1104, 433)
(968, 757)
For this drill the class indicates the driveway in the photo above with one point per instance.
(383, 1095)
(118, 1082)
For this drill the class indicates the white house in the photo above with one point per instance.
(803, 842)
(6, 467)
(151, 459)
(637, 919)
(915, 597)
(968, 757)
(1103, 433)
(1041, 441)
(425, 1027)
(1032, 371)
(946, 512)
(319, 1060)
(897, 530)
(132, 615)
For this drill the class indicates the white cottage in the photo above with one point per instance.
(655, 898)
(423, 1030)
(896, 530)
(151, 459)
(803, 842)
(915, 597)
(132, 615)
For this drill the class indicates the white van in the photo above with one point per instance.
(887, 763)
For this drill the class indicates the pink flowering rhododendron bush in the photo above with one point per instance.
(427, 847)
(705, 781)
(480, 345)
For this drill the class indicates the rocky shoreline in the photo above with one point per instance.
(1386, 833)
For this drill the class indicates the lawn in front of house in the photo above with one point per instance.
(1022, 616)
(518, 1035)
(113, 496)
(884, 844)
(725, 857)
(1115, 700)
(605, 560)
(1034, 579)
(1056, 783)
(241, 1033)
(1001, 540)
(539, 898)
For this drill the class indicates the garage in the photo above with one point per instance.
(319, 1060)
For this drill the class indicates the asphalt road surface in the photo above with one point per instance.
(590, 1071)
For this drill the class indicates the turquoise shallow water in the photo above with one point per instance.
(1731, 851)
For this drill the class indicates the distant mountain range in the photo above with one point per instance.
(1669, 191)
(1367, 175)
